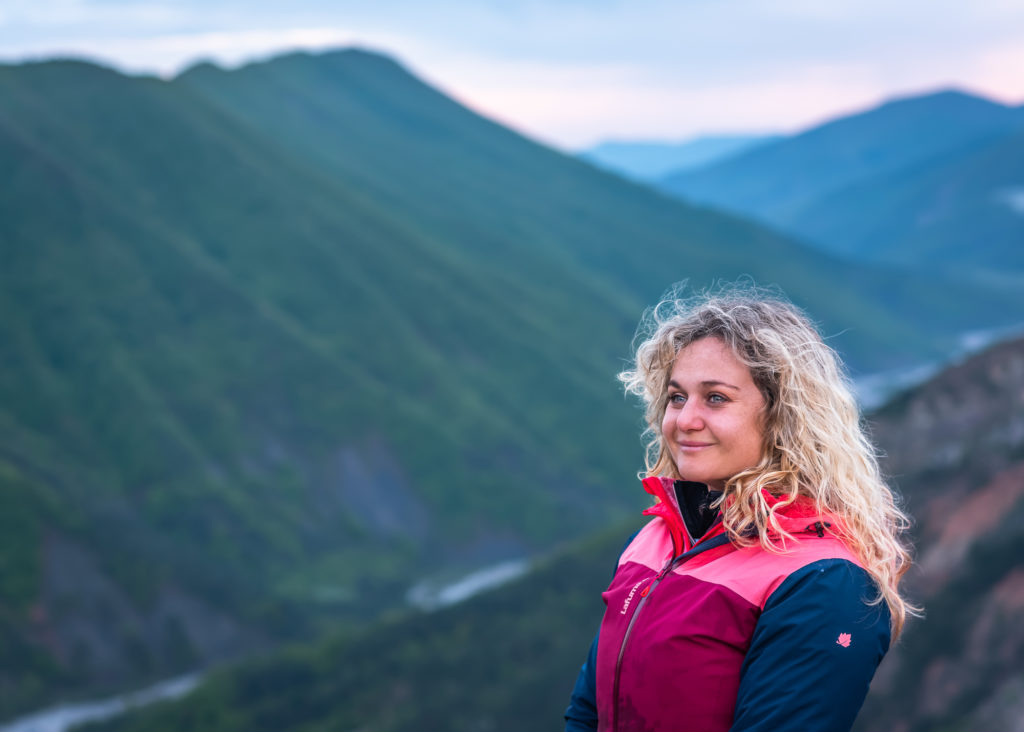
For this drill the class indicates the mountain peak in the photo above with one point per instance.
(205, 66)
(945, 98)
(351, 57)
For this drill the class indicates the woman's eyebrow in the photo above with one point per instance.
(711, 383)
(719, 383)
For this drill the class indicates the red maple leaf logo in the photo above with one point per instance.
(844, 640)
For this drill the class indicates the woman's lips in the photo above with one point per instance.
(693, 445)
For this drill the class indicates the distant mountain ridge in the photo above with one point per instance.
(924, 180)
(960, 212)
(650, 161)
(285, 339)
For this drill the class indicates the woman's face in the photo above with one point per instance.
(713, 425)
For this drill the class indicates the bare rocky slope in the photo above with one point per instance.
(955, 447)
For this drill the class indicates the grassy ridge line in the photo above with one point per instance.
(482, 664)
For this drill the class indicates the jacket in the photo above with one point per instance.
(699, 634)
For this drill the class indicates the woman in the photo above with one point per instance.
(764, 591)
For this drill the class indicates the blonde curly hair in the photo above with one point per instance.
(814, 444)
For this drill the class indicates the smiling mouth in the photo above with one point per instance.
(693, 445)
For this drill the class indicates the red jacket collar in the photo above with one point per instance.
(799, 517)
(667, 508)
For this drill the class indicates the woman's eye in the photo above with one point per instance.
(676, 398)
(717, 399)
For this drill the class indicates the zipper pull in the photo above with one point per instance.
(665, 569)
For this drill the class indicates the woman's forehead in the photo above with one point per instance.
(705, 358)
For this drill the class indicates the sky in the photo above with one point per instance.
(571, 73)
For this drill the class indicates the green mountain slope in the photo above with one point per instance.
(280, 341)
(507, 660)
(778, 182)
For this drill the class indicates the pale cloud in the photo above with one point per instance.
(57, 13)
(169, 53)
(570, 72)
(1000, 71)
(561, 108)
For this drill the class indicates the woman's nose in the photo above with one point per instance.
(690, 418)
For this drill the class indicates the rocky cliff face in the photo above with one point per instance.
(89, 624)
(955, 448)
(966, 417)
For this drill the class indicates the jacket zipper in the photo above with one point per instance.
(669, 566)
(625, 639)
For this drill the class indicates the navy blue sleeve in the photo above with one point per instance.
(582, 712)
(814, 650)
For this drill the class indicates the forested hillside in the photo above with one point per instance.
(280, 341)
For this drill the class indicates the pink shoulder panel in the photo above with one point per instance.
(755, 574)
(652, 547)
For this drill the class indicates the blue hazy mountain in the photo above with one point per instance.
(930, 180)
(959, 211)
(650, 161)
